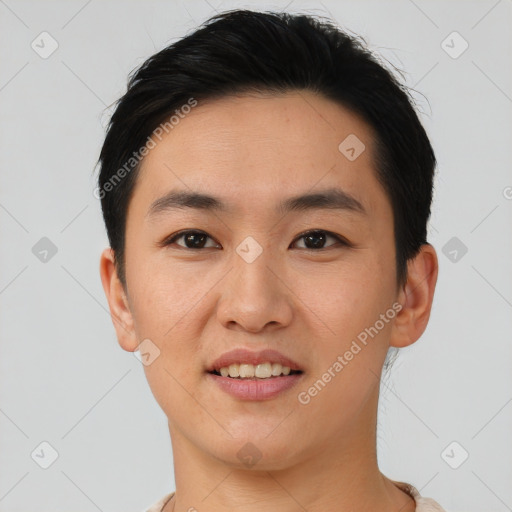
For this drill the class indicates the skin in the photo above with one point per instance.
(310, 304)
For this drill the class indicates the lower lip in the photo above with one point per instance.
(255, 389)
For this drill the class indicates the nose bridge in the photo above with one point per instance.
(252, 272)
(255, 296)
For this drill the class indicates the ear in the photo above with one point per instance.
(416, 298)
(118, 302)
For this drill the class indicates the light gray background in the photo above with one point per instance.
(64, 378)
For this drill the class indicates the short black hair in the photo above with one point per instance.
(241, 51)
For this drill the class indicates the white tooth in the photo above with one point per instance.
(233, 370)
(276, 369)
(263, 370)
(246, 370)
(260, 371)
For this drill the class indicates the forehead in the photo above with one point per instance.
(259, 148)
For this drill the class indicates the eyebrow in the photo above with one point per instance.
(331, 198)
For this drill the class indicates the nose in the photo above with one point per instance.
(255, 295)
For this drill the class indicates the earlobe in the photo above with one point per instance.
(416, 297)
(118, 302)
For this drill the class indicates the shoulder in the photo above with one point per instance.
(160, 504)
(422, 504)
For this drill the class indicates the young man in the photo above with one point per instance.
(266, 186)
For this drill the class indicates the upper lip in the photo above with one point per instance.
(242, 355)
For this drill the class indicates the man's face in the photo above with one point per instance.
(251, 279)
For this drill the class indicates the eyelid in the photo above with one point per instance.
(172, 238)
(340, 239)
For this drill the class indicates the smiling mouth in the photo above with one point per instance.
(254, 372)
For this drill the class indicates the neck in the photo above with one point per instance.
(332, 476)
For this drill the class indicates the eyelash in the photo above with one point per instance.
(170, 240)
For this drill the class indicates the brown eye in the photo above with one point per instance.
(195, 240)
(192, 239)
(316, 239)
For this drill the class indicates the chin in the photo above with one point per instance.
(261, 454)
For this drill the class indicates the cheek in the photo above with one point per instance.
(164, 296)
(169, 303)
(350, 353)
(166, 311)
(347, 310)
(346, 299)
